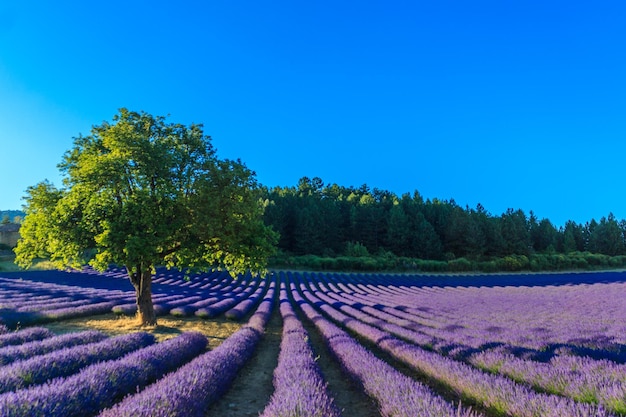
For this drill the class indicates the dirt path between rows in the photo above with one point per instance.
(349, 395)
(252, 388)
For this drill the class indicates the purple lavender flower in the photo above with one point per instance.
(67, 361)
(24, 335)
(102, 384)
(14, 353)
(299, 386)
(396, 394)
(495, 392)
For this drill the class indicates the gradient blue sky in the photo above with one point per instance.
(511, 104)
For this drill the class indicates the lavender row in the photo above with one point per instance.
(439, 323)
(25, 335)
(16, 319)
(218, 292)
(130, 308)
(397, 394)
(585, 380)
(582, 379)
(585, 315)
(38, 290)
(206, 305)
(67, 361)
(299, 387)
(497, 351)
(243, 307)
(585, 383)
(103, 384)
(393, 320)
(76, 285)
(79, 311)
(34, 304)
(191, 389)
(27, 350)
(224, 304)
(498, 393)
(464, 339)
(190, 309)
(42, 300)
(389, 318)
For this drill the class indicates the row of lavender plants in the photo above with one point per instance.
(581, 378)
(68, 360)
(395, 393)
(299, 387)
(453, 329)
(500, 394)
(25, 350)
(217, 368)
(102, 384)
(40, 302)
(519, 314)
(194, 387)
(26, 302)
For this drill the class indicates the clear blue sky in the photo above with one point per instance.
(511, 104)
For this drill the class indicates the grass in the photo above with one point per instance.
(7, 264)
(216, 330)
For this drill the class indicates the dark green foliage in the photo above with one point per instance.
(607, 237)
(510, 263)
(326, 222)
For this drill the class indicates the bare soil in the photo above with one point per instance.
(348, 394)
(252, 388)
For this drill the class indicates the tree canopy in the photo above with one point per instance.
(326, 220)
(141, 192)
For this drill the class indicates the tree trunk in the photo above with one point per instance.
(142, 281)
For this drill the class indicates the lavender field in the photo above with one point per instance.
(415, 345)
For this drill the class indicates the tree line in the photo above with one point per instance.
(11, 216)
(314, 218)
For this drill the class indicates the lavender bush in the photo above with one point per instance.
(500, 394)
(300, 389)
(27, 350)
(244, 306)
(67, 361)
(24, 335)
(103, 384)
(583, 379)
(396, 394)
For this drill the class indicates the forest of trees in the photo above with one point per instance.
(330, 220)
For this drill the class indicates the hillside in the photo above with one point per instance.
(12, 214)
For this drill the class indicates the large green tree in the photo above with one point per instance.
(142, 192)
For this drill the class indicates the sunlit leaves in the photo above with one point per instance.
(142, 191)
